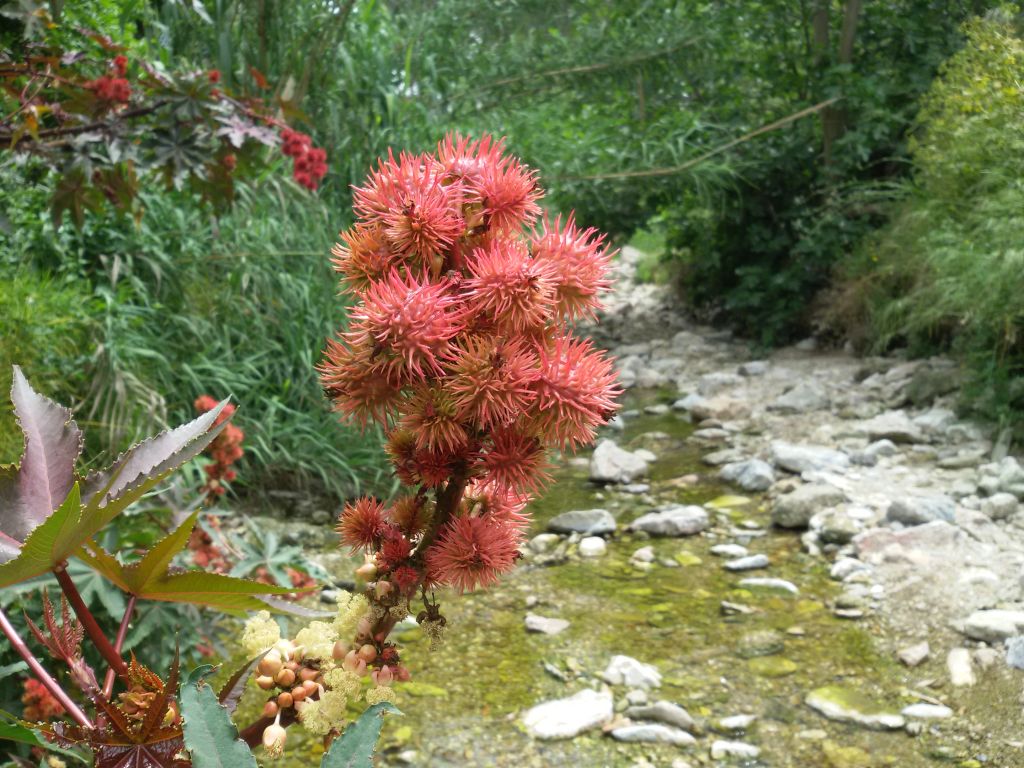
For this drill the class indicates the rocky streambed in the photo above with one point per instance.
(805, 560)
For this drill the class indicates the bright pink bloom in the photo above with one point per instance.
(579, 261)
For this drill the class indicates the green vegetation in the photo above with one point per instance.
(948, 270)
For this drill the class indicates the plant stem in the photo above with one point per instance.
(92, 629)
(122, 631)
(447, 503)
(44, 677)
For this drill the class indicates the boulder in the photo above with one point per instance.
(750, 475)
(673, 521)
(721, 408)
(891, 425)
(918, 510)
(807, 458)
(594, 522)
(569, 717)
(994, 625)
(795, 510)
(802, 398)
(611, 464)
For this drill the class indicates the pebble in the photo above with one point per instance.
(795, 509)
(662, 712)
(995, 625)
(721, 750)
(845, 567)
(846, 705)
(1015, 652)
(612, 464)
(659, 409)
(927, 712)
(773, 585)
(625, 670)
(544, 625)
(592, 546)
(654, 733)
(729, 550)
(736, 722)
(915, 655)
(643, 555)
(565, 718)
(750, 475)
(673, 521)
(961, 672)
(750, 563)
(807, 458)
(918, 510)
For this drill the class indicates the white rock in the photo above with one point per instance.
(737, 722)
(654, 733)
(592, 546)
(729, 550)
(611, 464)
(773, 585)
(688, 403)
(713, 383)
(927, 712)
(914, 655)
(545, 625)
(565, 718)
(994, 626)
(662, 712)
(749, 563)
(807, 458)
(849, 706)
(754, 368)
(844, 567)
(625, 670)
(1000, 506)
(958, 663)
(891, 425)
(721, 750)
(585, 521)
(643, 555)
(795, 510)
(802, 398)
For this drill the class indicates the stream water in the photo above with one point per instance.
(462, 706)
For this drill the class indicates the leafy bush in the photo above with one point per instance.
(948, 271)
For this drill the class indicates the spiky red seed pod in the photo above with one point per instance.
(515, 462)
(472, 552)
(510, 286)
(483, 499)
(579, 259)
(408, 323)
(464, 160)
(576, 392)
(394, 551)
(362, 524)
(410, 513)
(359, 386)
(406, 578)
(510, 193)
(491, 379)
(433, 417)
(401, 447)
(363, 256)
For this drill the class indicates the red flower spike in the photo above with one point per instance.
(394, 551)
(579, 260)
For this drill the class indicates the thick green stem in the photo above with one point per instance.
(92, 629)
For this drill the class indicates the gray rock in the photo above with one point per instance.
(749, 563)
(847, 705)
(625, 670)
(687, 403)
(892, 425)
(673, 521)
(795, 510)
(565, 718)
(802, 398)
(721, 408)
(713, 383)
(770, 585)
(635, 488)
(750, 475)
(961, 671)
(544, 625)
(653, 733)
(761, 642)
(754, 368)
(995, 625)
(643, 555)
(645, 454)
(724, 456)
(881, 448)
(1000, 506)
(736, 722)
(918, 510)
(835, 526)
(611, 464)
(844, 567)
(936, 422)
(650, 378)
(658, 409)
(542, 542)
(915, 655)
(927, 712)
(722, 750)
(594, 522)
(662, 712)
(592, 546)
(1015, 652)
(807, 458)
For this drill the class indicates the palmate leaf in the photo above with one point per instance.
(52, 542)
(210, 736)
(149, 578)
(53, 442)
(355, 747)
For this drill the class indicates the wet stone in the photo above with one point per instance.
(653, 733)
(750, 563)
(673, 521)
(926, 712)
(565, 718)
(765, 642)
(587, 521)
(1015, 652)
(662, 712)
(722, 750)
(625, 670)
(914, 655)
(846, 705)
(545, 625)
(770, 585)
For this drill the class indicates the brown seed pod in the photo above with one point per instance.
(308, 674)
(265, 682)
(270, 664)
(270, 709)
(298, 693)
(285, 678)
(284, 700)
(311, 687)
(339, 651)
(367, 653)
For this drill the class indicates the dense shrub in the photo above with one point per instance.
(948, 271)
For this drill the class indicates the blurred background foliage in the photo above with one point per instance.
(898, 195)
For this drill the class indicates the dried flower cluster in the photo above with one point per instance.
(460, 346)
(225, 450)
(309, 163)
